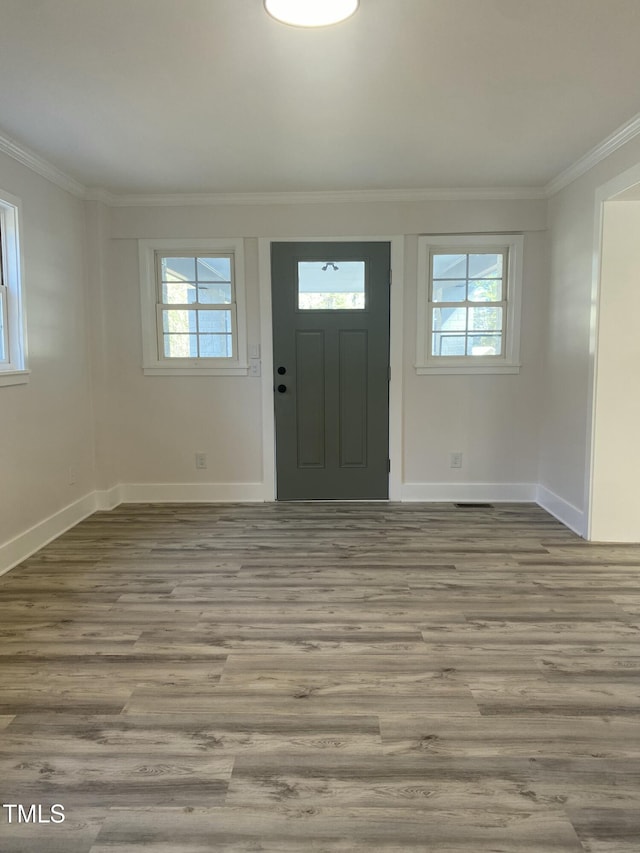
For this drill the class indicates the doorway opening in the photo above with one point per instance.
(614, 465)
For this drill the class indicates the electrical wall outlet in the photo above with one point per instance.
(456, 459)
(254, 367)
(201, 460)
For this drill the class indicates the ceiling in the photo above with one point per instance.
(142, 96)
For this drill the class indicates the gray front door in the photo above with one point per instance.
(331, 369)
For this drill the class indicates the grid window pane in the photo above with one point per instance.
(485, 265)
(214, 322)
(214, 269)
(489, 319)
(471, 329)
(449, 319)
(180, 346)
(179, 322)
(447, 344)
(485, 290)
(484, 345)
(449, 291)
(449, 266)
(3, 331)
(178, 293)
(216, 346)
(197, 281)
(214, 294)
(466, 302)
(178, 269)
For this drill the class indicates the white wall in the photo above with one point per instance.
(89, 408)
(101, 348)
(46, 426)
(569, 347)
(493, 420)
(163, 421)
(615, 515)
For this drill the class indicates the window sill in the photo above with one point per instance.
(469, 369)
(236, 370)
(14, 377)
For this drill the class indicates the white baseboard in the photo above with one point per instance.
(469, 492)
(25, 544)
(575, 519)
(18, 549)
(192, 492)
(109, 498)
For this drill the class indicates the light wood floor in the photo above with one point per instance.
(328, 677)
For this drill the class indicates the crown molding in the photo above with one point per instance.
(41, 166)
(625, 133)
(101, 195)
(319, 197)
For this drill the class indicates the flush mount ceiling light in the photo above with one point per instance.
(311, 13)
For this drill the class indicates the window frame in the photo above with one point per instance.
(154, 362)
(509, 362)
(13, 368)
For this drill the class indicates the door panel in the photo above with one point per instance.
(331, 355)
(310, 399)
(353, 348)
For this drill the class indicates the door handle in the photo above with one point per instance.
(282, 389)
(282, 371)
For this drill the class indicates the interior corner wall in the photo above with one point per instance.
(47, 424)
(102, 345)
(163, 421)
(565, 442)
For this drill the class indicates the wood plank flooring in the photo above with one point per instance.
(322, 677)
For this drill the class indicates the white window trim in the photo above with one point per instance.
(13, 371)
(509, 362)
(152, 364)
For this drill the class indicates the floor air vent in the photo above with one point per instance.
(473, 506)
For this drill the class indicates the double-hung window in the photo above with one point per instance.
(193, 307)
(13, 366)
(469, 295)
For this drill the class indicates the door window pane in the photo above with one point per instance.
(331, 286)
